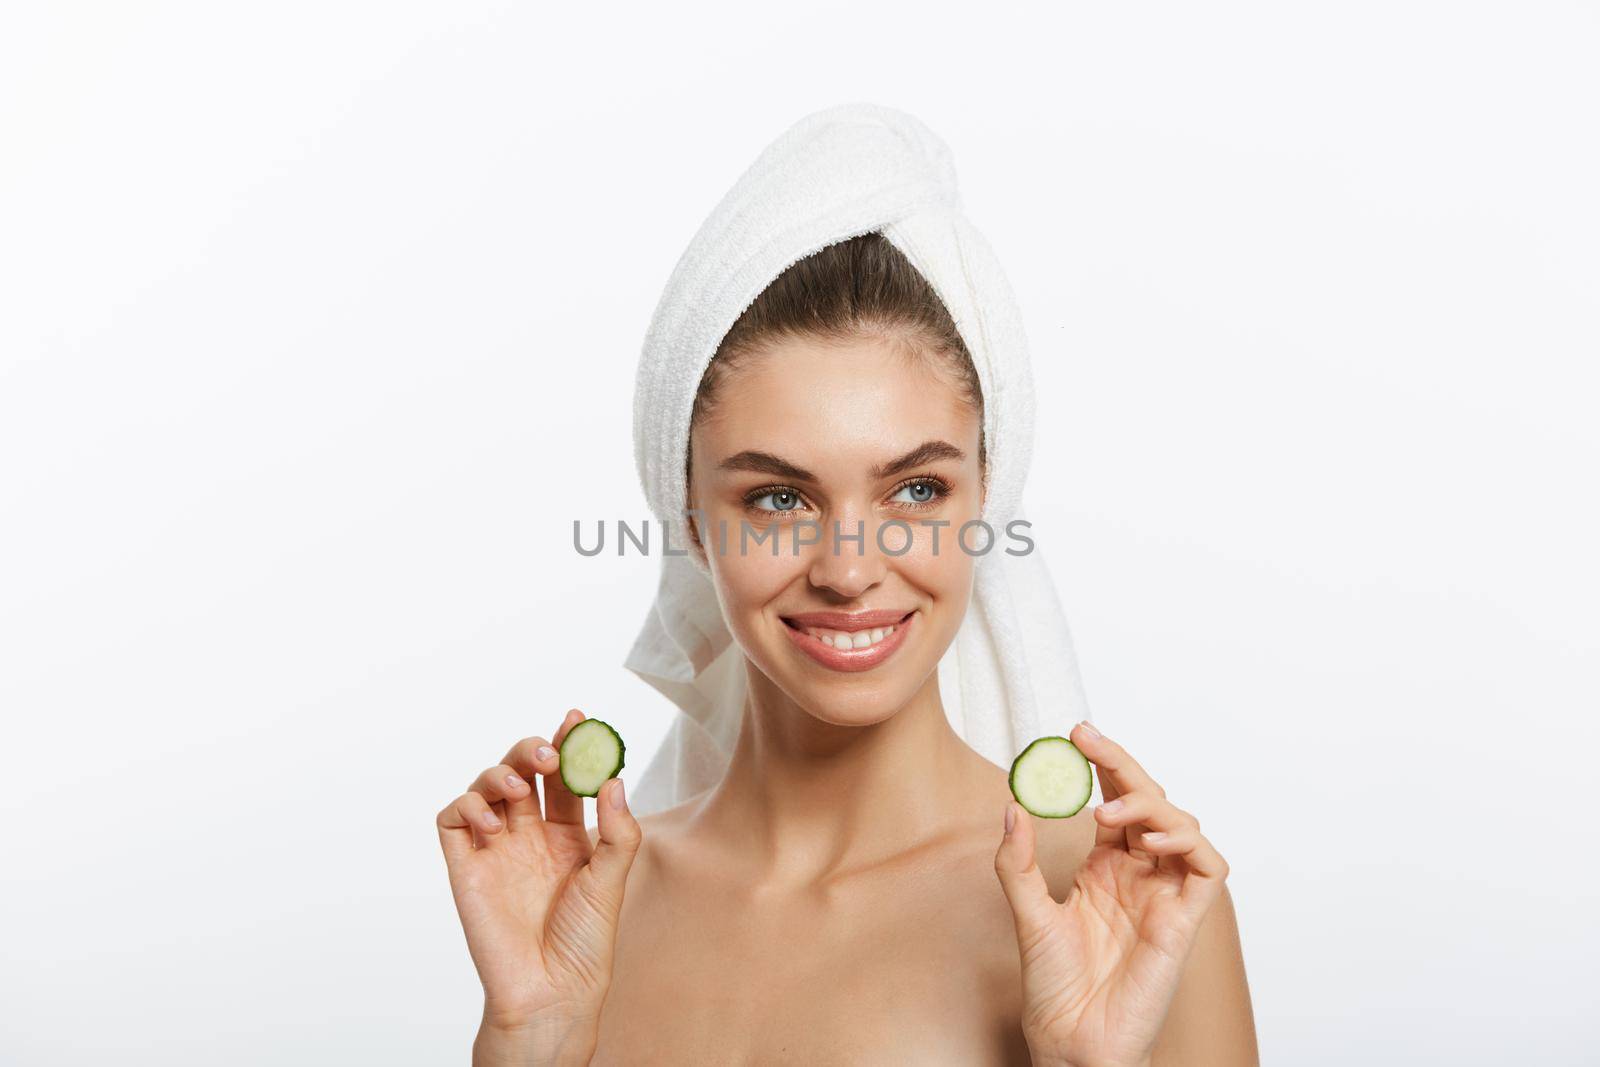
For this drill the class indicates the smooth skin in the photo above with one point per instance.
(848, 891)
(1099, 969)
(538, 898)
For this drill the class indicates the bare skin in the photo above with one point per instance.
(860, 887)
(909, 957)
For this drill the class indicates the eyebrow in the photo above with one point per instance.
(778, 467)
(926, 452)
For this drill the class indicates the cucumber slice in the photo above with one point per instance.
(1051, 778)
(590, 753)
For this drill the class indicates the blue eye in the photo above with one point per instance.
(917, 493)
(782, 500)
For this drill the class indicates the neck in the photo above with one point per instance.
(806, 798)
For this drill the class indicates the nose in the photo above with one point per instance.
(845, 563)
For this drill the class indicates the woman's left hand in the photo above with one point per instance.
(1099, 969)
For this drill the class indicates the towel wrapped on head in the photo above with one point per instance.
(1011, 674)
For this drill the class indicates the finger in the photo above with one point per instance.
(1143, 808)
(1106, 833)
(1118, 823)
(1015, 862)
(1108, 788)
(500, 782)
(455, 832)
(614, 852)
(560, 803)
(1082, 734)
(1141, 811)
(1121, 769)
(510, 793)
(531, 757)
(1207, 870)
(1119, 774)
(1164, 819)
(469, 812)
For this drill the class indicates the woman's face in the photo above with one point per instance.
(809, 437)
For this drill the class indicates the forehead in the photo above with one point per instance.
(808, 397)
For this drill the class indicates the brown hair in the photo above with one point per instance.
(860, 287)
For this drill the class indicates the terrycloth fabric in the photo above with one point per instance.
(1011, 674)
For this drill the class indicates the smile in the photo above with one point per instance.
(843, 639)
(844, 642)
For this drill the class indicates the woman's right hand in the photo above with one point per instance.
(538, 901)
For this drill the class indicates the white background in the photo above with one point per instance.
(319, 325)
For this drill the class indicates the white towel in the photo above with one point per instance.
(1011, 674)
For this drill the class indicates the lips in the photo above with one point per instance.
(847, 621)
(844, 641)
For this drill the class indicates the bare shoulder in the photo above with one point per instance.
(1210, 1022)
(659, 828)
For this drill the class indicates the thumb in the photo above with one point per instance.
(1014, 862)
(620, 837)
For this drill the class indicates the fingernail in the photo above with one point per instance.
(1011, 818)
(490, 819)
(1112, 807)
(1154, 837)
(513, 782)
(1089, 729)
(544, 752)
(616, 796)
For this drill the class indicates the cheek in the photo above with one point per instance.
(943, 572)
(747, 581)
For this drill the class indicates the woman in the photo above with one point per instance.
(852, 882)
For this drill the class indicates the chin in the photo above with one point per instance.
(851, 705)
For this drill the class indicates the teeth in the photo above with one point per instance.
(858, 639)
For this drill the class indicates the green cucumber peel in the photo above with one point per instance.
(1051, 778)
(591, 754)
